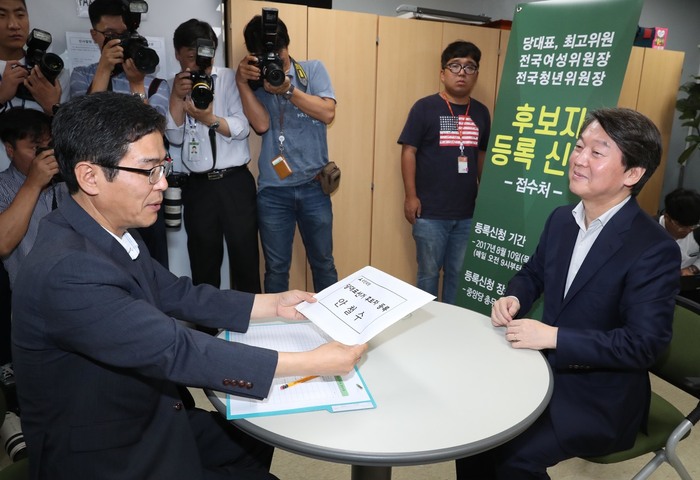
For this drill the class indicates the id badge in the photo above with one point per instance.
(281, 167)
(462, 164)
(194, 150)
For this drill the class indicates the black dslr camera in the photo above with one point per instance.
(135, 46)
(269, 62)
(50, 64)
(202, 84)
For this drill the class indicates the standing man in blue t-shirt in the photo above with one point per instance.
(292, 119)
(443, 148)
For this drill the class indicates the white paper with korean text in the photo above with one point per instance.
(358, 307)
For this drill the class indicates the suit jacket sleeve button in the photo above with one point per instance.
(228, 381)
(241, 383)
(249, 385)
(178, 406)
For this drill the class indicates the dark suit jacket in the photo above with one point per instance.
(98, 355)
(613, 323)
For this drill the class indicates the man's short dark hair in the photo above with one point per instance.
(21, 123)
(683, 206)
(100, 8)
(99, 128)
(255, 38)
(635, 135)
(460, 49)
(187, 33)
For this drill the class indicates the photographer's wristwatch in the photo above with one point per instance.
(288, 94)
(215, 125)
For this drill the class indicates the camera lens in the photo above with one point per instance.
(201, 95)
(202, 89)
(146, 59)
(12, 438)
(274, 74)
(136, 47)
(172, 207)
(51, 66)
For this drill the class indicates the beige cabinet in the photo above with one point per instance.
(379, 67)
(650, 87)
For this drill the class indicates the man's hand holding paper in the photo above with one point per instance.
(332, 358)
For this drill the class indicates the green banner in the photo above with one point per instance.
(564, 58)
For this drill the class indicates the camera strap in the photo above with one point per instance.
(301, 75)
(153, 87)
(303, 81)
(212, 140)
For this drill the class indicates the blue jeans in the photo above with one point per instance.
(280, 209)
(441, 245)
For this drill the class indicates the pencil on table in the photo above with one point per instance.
(295, 382)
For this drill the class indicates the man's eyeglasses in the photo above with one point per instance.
(154, 174)
(456, 68)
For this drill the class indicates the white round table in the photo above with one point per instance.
(447, 385)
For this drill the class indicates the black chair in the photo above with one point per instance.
(667, 426)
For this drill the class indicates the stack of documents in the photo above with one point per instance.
(332, 393)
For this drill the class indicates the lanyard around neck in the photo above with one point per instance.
(459, 130)
(449, 105)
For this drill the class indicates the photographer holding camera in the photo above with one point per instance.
(117, 70)
(125, 69)
(291, 110)
(29, 190)
(30, 187)
(206, 121)
(19, 70)
(14, 33)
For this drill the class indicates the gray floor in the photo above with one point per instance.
(289, 466)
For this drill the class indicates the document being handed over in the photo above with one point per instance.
(363, 304)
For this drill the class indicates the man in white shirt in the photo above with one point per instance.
(14, 31)
(219, 197)
(609, 276)
(681, 218)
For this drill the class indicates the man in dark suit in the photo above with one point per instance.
(98, 351)
(609, 275)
